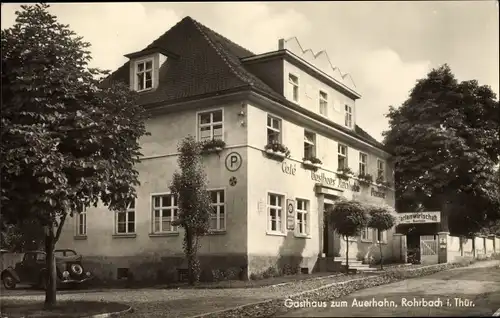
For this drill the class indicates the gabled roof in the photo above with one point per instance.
(202, 62)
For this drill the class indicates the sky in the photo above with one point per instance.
(385, 46)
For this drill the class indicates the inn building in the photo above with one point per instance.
(287, 119)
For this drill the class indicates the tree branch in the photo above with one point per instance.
(59, 227)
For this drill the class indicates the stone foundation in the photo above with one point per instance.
(162, 269)
(260, 264)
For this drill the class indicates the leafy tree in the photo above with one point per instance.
(446, 142)
(190, 187)
(67, 141)
(24, 236)
(348, 218)
(381, 219)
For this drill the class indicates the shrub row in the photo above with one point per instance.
(276, 306)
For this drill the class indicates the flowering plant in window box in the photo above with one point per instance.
(344, 173)
(213, 145)
(312, 162)
(365, 179)
(382, 183)
(277, 149)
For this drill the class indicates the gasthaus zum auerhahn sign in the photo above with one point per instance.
(419, 217)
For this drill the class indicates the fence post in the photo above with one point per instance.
(443, 247)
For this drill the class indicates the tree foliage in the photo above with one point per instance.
(381, 219)
(67, 141)
(348, 218)
(24, 236)
(446, 142)
(190, 186)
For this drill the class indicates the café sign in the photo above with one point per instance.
(419, 217)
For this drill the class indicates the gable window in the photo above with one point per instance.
(302, 219)
(342, 157)
(125, 220)
(380, 169)
(165, 211)
(275, 212)
(323, 103)
(144, 75)
(363, 160)
(309, 145)
(210, 125)
(293, 82)
(348, 116)
(218, 215)
(81, 222)
(273, 130)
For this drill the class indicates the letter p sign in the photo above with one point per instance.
(233, 161)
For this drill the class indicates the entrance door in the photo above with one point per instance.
(428, 249)
(328, 237)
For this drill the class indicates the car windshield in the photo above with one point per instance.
(63, 253)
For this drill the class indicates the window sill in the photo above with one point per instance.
(80, 237)
(163, 234)
(125, 235)
(303, 236)
(366, 241)
(144, 90)
(217, 232)
(383, 242)
(271, 233)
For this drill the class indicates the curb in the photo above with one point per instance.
(497, 313)
(111, 314)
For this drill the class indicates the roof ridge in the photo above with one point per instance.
(223, 37)
(223, 55)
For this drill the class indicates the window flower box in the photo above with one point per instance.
(344, 173)
(382, 183)
(312, 162)
(365, 179)
(214, 145)
(277, 150)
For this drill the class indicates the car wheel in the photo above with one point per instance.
(8, 281)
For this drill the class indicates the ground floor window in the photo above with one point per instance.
(81, 222)
(125, 220)
(218, 215)
(164, 213)
(302, 217)
(381, 236)
(365, 234)
(275, 212)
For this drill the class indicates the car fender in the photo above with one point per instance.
(12, 272)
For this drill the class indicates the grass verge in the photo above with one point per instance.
(67, 309)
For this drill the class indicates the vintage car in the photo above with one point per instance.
(32, 270)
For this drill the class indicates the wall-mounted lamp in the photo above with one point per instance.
(242, 111)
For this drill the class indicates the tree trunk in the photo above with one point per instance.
(381, 256)
(189, 254)
(445, 206)
(51, 273)
(461, 241)
(346, 254)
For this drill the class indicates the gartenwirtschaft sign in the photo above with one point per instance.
(419, 217)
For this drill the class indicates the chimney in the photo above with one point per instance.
(281, 44)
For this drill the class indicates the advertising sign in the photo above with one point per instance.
(419, 217)
(290, 214)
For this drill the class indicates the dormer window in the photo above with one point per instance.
(144, 75)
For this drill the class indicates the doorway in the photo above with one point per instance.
(328, 237)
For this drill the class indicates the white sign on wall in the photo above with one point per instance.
(419, 217)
